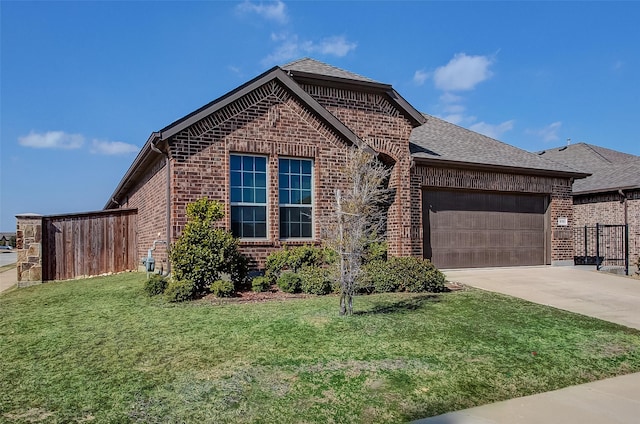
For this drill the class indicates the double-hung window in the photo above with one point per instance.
(248, 196)
(295, 182)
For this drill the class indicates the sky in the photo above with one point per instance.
(83, 84)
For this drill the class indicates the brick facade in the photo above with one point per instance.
(609, 208)
(273, 121)
(558, 190)
(149, 197)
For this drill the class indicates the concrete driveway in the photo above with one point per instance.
(609, 297)
(606, 296)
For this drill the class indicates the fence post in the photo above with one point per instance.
(29, 249)
(597, 246)
(626, 249)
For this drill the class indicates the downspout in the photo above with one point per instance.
(624, 202)
(168, 212)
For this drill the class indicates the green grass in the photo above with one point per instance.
(4, 268)
(99, 350)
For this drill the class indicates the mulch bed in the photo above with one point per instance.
(276, 294)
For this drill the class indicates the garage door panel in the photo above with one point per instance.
(477, 229)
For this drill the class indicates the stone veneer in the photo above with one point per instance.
(29, 249)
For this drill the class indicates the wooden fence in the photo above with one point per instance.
(89, 244)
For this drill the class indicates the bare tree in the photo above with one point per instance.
(359, 219)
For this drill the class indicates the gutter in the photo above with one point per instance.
(443, 163)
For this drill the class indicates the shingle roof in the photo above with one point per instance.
(313, 66)
(610, 169)
(439, 140)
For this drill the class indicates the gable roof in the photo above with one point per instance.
(312, 66)
(312, 71)
(610, 170)
(442, 143)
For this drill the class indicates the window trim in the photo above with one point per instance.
(311, 205)
(249, 204)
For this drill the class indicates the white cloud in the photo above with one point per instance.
(450, 98)
(420, 76)
(335, 46)
(52, 140)
(548, 133)
(493, 131)
(292, 48)
(462, 72)
(272, 11)
(103, 147)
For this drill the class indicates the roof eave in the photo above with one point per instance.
(143, 158)
(605, 190)
(444, 163)
(396, 99)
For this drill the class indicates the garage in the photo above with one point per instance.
(470, 229)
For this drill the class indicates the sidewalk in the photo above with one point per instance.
(601, 295)
(8, 279)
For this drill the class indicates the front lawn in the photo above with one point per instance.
(99, 350)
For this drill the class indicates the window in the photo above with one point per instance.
(296, 198)
(248, 196)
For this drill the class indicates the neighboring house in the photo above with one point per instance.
(5, 238)
(610, 195)
(272, 151)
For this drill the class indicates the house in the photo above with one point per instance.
(609, 196)
(6, 238)
(272, 151)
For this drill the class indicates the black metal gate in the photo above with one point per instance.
(605, 246)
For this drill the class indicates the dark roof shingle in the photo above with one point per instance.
(610, 169)
(313, 66)
(440, 140)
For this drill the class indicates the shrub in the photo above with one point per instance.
(417, 275)
(203, 253)
(379, 278)
(289, 282)
(155, 285)
(260, 284)
(222, 288)
(296, 258)
(180, 290)
(315, 280)
(376, 251)
(403, 274)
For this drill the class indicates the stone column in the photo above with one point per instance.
(29, 249)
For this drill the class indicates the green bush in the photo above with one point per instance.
(203, 253)
(155, 285)
(180, 290)
(315, 280)
(296, 258)
(375, 251)
(403, 274)
(289, 282)
(418, 275)
(223, 288)
(260, 284)
(379, 278)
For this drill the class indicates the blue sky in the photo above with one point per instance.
(83, 84)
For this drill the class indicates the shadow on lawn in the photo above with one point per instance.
(400, 306)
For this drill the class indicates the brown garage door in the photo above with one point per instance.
(464, 229)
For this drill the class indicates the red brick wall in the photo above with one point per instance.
(558, 189)
(150, 197)
(381, 126)
(275, 125)
(607, 208)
